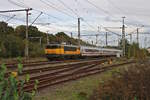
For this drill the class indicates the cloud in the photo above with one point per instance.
(108, 13)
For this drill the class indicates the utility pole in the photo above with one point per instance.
(41, 41)
(27, 14)
(145, 40)
(71, 34)
(118, 42)
(27, 42)
(96, 39)
(106, 39)
(92, 42)
(123, 37)
(79, 32)
(47, 38)
(130, 38)
(98, 29)
(97, 35)
(137, 36)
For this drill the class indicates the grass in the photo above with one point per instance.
(71, 90)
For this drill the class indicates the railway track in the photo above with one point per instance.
(38, 63)
(50, 66)
(68, 74)
(64, 71)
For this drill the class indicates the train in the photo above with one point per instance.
(53, 51)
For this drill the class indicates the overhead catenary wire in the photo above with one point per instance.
(49, 4)
(38, 24)
(26, 6)
(19, 19)
(112, 32)
(23, 5)
(85, 21)
(17, 4)
(99, 8)
(36, 18)
(22, 20)
(112, 3)
(10, 18)
(100, 25)
(64, 4)
(40, 11)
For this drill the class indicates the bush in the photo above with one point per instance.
(36, 50)
(11, 46)
(131, 84)
(11, 88)
(134, 51)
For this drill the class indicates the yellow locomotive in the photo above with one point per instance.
(61, 51)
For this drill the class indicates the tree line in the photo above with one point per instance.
(134, 51)
(12, 40)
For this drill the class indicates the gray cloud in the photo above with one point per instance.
(108, 14)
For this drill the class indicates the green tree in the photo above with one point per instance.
(12, 41)
(20, 31)
(135, 51)
(127, 45)
(5, 29)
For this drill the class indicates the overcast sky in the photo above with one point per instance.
(62, 16)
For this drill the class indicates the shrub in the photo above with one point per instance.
(134, 51)
(11, 88)
(36, 50)
(131, 84)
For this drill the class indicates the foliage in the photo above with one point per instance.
(5, 29)
(131, 84)
(126, 45)
(11, 88)
(36, 50)
(10, 45)
(20, 31)
(32, 30)
(82, 96)
(12, 41)
(135, 51)
(62, 37)
(13, 46)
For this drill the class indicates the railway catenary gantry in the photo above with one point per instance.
(70, 51)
